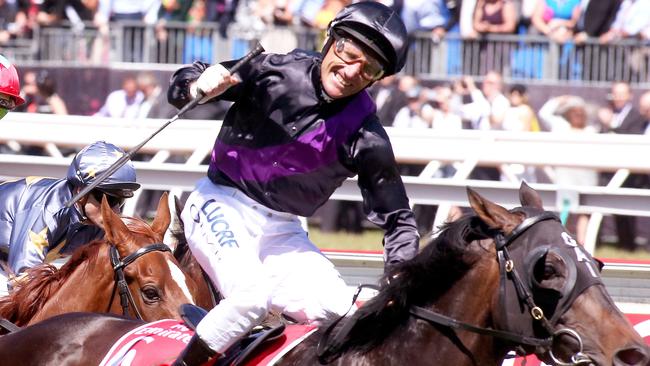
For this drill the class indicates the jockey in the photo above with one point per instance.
(300, 125)
(35, 224)
(9, 87)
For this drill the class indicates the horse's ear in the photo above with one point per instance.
(495, 216)
(162, 220)
(115, 229)
(529, 197)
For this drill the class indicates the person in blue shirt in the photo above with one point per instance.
(35, 224)
(301, 124)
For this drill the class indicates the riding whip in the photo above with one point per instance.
(126, 157)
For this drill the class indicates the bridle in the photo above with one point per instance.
(329, 348)
(509, 271)
(120, 281)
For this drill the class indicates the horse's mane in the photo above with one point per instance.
(43, 281)
(419, 281)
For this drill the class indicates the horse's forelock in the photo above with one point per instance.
(140, 227)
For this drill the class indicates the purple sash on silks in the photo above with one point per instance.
(311, 151)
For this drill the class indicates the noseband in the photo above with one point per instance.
(120, 281)
(509, 271)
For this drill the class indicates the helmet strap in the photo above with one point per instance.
(81, 208)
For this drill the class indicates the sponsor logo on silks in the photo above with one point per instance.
(214, 217)
(4, 62)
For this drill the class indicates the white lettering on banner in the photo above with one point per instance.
(581, 254)
(167, 333)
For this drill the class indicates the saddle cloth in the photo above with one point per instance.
(160, 342)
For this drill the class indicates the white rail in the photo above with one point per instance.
(192, 140)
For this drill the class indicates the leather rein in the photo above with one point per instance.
(524, 296)
(330, 348)
(120, 281)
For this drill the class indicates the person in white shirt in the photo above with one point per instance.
(123, 103)
(488, 106)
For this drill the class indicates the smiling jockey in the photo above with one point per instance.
(35, 224)
(300, 125)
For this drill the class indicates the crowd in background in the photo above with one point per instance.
(560, 20)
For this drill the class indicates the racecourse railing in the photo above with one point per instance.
(189, 142)
(522, 57)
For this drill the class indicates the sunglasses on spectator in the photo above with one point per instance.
(350, 52)
(113, 201)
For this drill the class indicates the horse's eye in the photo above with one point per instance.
(150, 294)
(549, 271)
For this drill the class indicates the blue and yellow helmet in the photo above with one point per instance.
(95, 159)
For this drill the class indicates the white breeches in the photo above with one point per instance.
(260, 260)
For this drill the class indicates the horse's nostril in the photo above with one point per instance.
(633, 356)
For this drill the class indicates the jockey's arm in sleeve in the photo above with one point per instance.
(384, 195)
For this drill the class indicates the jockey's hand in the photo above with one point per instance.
(215, 80)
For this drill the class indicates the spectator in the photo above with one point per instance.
(596, 18)
(437, 111)
(396, 99)
(568, 114)
(623, 118)
(435, 16)
(644, 109)
(8, 26)
(520, 116)
(198, 42)
(410, 116)
(485, 108)
(222, 12)
(124, 102)
(327, 12)
(35, 224)
(631, 20)
(495, 16)
(556, 18)
(53, 12)
(40, 93)
(151, 92)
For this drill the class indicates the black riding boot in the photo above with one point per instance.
(196, 353)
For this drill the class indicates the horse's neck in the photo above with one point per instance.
(471, 300)
(87, 288)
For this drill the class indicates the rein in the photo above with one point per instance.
(523, 293)
(120, 281)
(329, 348)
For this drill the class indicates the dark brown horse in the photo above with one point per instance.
(89, 279)
(489, 283)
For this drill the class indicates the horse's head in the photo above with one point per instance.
(157, 286)
(550, 288)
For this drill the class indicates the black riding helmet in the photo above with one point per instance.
(377, 27)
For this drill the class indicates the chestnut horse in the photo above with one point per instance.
(490, 283)
(206, 296)
(94, 279)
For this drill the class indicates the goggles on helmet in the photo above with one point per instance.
(350, 52)
(7, 102)
(114, 200)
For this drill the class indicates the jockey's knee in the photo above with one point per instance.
(254, 306)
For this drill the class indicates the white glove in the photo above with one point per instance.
(214, 80)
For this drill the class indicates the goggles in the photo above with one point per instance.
(350, 52)
(113, 200)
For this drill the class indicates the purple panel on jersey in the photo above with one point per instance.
(309, 152)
